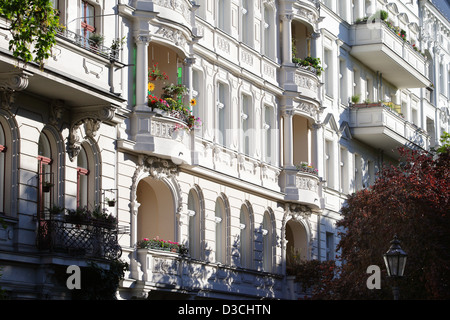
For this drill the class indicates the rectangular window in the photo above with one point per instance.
(329, 163)
(246, 127)
(87, 19)
(344, 170)
(268, 127)
(222, 113)
(330, 245)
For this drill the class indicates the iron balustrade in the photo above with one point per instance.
(85, 43)
(86, 239)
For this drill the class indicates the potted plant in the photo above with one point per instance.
(116, 46)
(46, 186)
(96, 39)
(80, 215)
(355, 98)
(111, 202)
(56, 211)
(155, 74)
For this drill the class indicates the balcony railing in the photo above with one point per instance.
(383, 126)
(86, 239)
(87, 44)
(176, 271)
(379, 47)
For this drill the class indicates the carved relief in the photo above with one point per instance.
(91, 117)
(173, 35)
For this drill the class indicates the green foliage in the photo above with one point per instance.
(445, 143)
(98, 283)
(33, 26)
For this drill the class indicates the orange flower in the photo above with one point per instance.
(193, 102)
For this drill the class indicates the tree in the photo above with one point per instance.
(412, 201)
(33, 26)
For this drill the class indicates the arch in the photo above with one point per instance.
(196, 222)
(246, 235)
(296, 233)
(269, 29)
(152, 168)
(9, 148)
(157, 211)
(51, 163)
(89, 174)
(296, 242)
(222, 214)
(269, 240)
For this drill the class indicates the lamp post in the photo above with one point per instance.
(395, 260)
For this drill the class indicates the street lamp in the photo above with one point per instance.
(395, 260)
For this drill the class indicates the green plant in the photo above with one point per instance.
(155, 74)
(33, 25)
(355, 98)
(96, 38)
(100, 283)
(382, 14)
(117, 43)
(310, 62)
(160, 244)
(56, 210)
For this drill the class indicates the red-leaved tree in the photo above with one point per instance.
(412, 201)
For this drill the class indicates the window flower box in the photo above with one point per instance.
(163, 245)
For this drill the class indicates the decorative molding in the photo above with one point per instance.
(11, 82)
(57, 109)
(91, 117)
(173, 35)
(159, 168)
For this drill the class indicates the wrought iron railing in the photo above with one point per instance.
(85, 43)
(87, 239)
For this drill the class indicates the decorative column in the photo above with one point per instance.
(188, 62)
(288, 138)
(142, 73)
(317, 146)
(287, 38)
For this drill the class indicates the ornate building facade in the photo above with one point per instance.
(285, 107)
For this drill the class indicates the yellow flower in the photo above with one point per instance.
(151, 86)
(193, 102)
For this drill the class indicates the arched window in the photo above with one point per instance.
(46, 179)
(267, 233)
(2, 169)
(194, 225)
(82, 178)
(221, 231)
(246, 237)
(269, 49)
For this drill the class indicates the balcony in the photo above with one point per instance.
(382, 127)
(302, 186)
(173, 271)
(79, 72)
(161, 134)
(79, 238)
(381, 49)
(303, 80)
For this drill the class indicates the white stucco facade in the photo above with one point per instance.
(232, 190)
